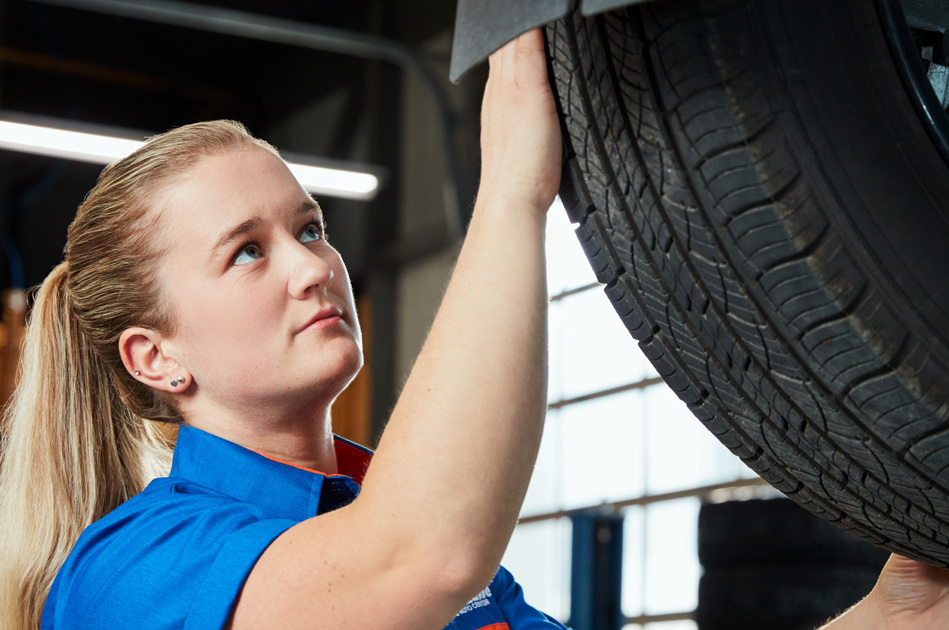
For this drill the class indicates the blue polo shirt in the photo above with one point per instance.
(177, 554)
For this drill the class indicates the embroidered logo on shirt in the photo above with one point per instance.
(480, 600)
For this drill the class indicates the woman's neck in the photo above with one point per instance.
(303, 438)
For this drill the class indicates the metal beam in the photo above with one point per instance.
(701, 492)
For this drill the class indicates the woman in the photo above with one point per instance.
(198, 287)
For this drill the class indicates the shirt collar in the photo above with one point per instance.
(282, 490)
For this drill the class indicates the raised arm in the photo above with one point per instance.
(442, 495)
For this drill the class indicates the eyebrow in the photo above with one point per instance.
(250, 225)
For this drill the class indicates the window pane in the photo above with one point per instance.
(672, 564)
(567, 265)
(556, 334)
(681, 453)
(539, 558)
(544, 493)
(602, 450)
(596, 351)
(634, 563)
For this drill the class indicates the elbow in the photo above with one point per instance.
(465, 556)
(438, 590)
(460, 575)
(444, 561)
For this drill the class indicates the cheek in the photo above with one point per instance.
(224, 326)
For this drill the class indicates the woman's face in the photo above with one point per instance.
(262, 303)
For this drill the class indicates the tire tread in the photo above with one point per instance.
(712, 247)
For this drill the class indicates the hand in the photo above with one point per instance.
(520, 133)
(915, 592)
(909, 594)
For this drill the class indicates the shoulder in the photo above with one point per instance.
(174, 538)
(167, 514)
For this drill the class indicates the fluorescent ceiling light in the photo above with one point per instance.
(100, 149)
(335, 182)
(72, 145)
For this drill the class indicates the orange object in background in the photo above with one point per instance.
(12, 328)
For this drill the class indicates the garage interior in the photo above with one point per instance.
(363, 84)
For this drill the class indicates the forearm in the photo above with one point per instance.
(469, 420)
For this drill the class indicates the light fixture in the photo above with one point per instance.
(103, 149)
(335, 182)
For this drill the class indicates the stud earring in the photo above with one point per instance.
(174, 383)
(137, 373)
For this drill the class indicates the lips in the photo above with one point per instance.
(323, 318)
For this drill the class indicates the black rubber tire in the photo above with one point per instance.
(756, 186)
(770, 533)
(778, 598)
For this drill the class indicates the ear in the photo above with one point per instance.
(142, 355)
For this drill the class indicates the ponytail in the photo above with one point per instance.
(72, 451)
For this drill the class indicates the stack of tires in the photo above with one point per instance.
(768, 563)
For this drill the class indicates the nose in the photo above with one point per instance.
(308, 271)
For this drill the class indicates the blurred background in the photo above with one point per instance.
(609, 536)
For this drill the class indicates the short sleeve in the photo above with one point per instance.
(160, 566)
(519, 614)
(214, 600)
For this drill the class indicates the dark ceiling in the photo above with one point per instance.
(89, 66)
(96, 67)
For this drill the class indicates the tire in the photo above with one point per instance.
(757, 186)
(771, 533)
(778, 598)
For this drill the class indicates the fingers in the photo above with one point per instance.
(523, 58)
(530, 43)
(531, 59)
(520, 133)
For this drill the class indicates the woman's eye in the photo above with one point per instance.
(312, 232)
(248, 253)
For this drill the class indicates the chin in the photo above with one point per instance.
(347, 364)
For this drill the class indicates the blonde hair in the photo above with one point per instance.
(78, 440)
